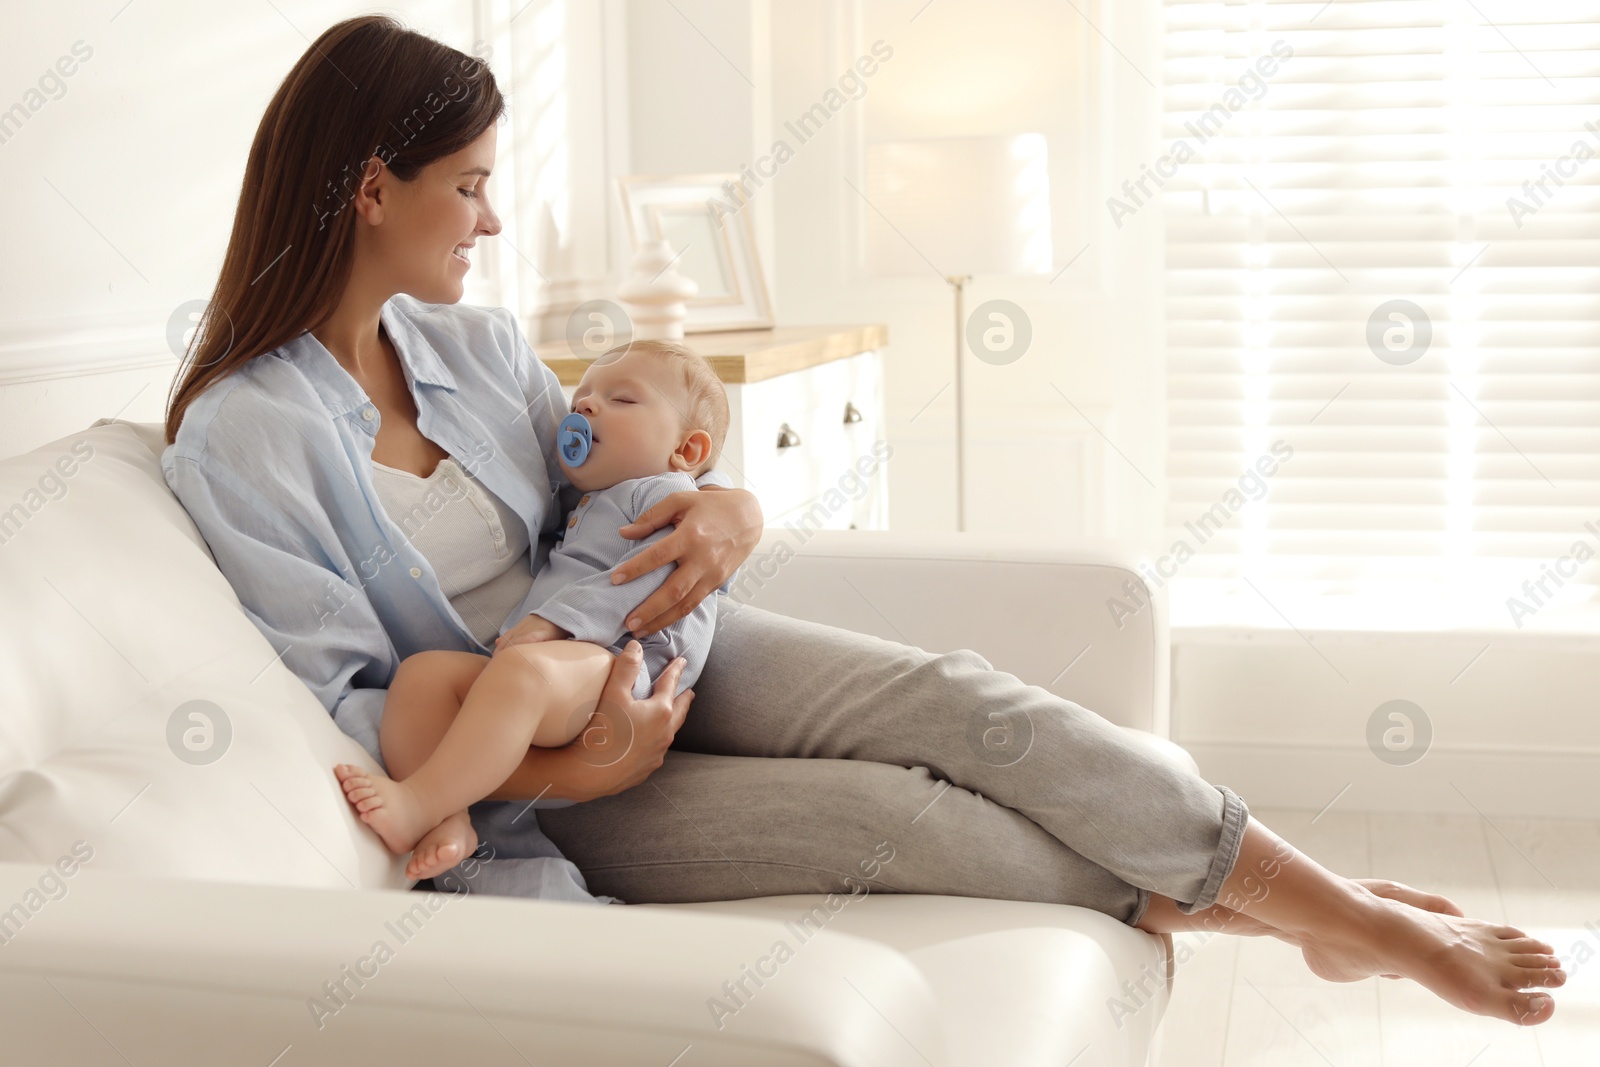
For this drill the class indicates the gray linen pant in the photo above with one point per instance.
(811, 753)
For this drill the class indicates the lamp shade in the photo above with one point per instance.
(967, 205)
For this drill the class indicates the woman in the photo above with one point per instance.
(334, 343)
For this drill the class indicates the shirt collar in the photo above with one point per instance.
(339, 390)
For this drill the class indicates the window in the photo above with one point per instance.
(1383, 259)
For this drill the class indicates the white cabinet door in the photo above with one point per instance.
(846, 434)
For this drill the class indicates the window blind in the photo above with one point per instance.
(1386, 261)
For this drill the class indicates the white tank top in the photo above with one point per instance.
(476, 545)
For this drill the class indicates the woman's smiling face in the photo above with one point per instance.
(420, 233)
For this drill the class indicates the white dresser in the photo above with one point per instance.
(807, 426)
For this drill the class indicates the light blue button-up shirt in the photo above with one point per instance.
(274, 465)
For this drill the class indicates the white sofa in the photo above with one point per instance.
(181, 881)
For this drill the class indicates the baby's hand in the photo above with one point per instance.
(530, 630)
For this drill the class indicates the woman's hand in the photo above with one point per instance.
(717, 529)
(628, 739)
(530, 630)
(624, 742)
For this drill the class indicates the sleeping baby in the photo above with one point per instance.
(648, 419)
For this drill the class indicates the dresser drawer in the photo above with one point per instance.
(773, 447)
(842, 436)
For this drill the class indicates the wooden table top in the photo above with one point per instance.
(740, 356)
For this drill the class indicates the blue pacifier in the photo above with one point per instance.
(573, 437)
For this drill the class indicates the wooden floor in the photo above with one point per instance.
(1241, 1000)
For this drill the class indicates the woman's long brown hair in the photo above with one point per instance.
(367, 87)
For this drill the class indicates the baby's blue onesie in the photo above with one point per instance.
(574, 589)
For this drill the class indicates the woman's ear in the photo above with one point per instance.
(693, 452)
(368, 199)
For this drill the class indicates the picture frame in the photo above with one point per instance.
(714, 241)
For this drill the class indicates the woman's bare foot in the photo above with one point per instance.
(443, 847)
(388, 806)
(1383, 887)
(1478, 966)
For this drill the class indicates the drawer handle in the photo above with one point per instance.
(787, 438)
(851, 412)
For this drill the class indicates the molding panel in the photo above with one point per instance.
(1503, 723)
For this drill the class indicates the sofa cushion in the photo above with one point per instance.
(141, 712)
(1019, 983)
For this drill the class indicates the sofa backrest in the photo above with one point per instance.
(144, 718)
(1032, 608)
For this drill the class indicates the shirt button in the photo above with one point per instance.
(573, 521)
(585, 499)
(368, 414)
(416, 572)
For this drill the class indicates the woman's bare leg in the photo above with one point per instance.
(1164, 916)
(1348, 930)
(538, 693)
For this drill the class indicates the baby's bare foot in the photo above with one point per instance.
(443, 847)
(386, 805)
(1478, 966)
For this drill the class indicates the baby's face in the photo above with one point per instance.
(635, 406)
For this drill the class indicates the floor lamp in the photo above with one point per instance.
(961, 206)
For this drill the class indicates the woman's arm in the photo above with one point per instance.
(716, 530)
(622, 746)
(287, 576)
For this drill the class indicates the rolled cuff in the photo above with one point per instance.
(1141, 904)
(1235, 817)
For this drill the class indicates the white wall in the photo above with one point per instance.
(699, 88)
(117, 190)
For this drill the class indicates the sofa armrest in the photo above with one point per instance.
(177, 971)
(1077, 619)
